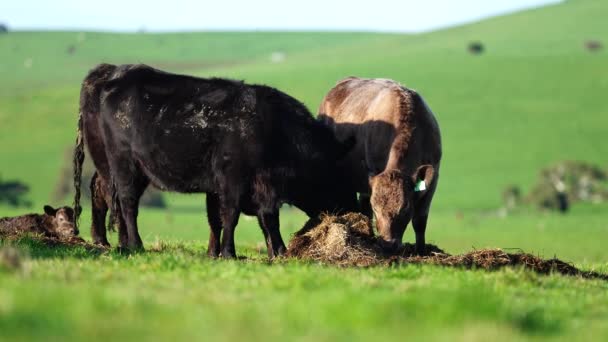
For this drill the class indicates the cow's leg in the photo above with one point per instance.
(130, 184)
(215, 224)
(129, 201)
(419, 223)
(230, 208)
(421, 215)
(365, 205)
(123, 236)
(265, 199)
(266, 237)
(99, 209)
(229, 215)
(397, 232)
(270, 224)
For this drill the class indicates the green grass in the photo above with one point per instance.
(533, 98)
(175, 292)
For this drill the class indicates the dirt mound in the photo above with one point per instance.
(348, 240)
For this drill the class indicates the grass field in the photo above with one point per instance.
(535, 97)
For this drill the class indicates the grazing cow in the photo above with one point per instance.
(395, 163)
(250, 148)
(57, 223)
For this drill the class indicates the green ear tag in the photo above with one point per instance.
(420, 186)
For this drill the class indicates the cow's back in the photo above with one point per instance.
(356, 100)
(369, 110)
(381, 115)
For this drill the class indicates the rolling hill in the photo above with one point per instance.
(534, 97)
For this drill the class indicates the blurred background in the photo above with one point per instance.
(518, 88)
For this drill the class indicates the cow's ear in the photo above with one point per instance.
(69, 211)
(49, 210)
(422, 177)
(345, 147)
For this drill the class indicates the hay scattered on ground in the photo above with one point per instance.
(349, 240)
(74, 241)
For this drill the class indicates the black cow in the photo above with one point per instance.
(249, 147)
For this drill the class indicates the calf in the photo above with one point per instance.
(395, 163)
(53, 223)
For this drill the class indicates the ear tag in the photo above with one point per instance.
(420, 186)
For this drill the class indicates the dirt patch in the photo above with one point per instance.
(348, 240)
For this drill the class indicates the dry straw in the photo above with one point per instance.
(348, 240)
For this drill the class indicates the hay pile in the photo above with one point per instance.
(349, 240)
(343, 240)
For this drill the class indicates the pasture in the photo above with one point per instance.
(534, 97)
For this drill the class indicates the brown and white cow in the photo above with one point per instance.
(395, 162)
(53, 223)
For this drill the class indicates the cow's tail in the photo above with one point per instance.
(114, 210)
(89, 103)
(78, 160)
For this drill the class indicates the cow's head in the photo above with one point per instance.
(392, 200)
(342, 196)
(326, 188)
(62, 221)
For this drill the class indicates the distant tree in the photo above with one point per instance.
(3, 28)
(13, 193)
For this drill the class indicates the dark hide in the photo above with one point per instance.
(249, 147)
(398, 144)
(89, 132)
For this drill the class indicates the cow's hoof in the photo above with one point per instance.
(228, 255)
(101, 243)
(280, 252)
(129, 250)
(122, 250)
(136, 247)
(421, 251)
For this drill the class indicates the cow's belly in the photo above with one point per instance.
(175, 163)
